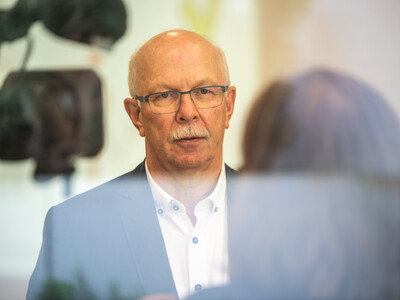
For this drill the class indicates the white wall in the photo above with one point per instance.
(359, 37)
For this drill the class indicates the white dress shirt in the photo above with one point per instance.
(198, 255)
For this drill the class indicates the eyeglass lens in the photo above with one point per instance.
(203, 97)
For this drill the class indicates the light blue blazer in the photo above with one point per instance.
(104, 244)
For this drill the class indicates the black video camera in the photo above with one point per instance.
(51, 116)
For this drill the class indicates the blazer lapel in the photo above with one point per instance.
(144, 234)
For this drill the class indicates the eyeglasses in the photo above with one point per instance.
(168, 102)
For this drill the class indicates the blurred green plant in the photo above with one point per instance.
(54, 289)
(202, 15)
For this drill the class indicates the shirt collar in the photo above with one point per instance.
(163, 200)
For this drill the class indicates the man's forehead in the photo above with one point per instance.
(185, 53)
(178, 49)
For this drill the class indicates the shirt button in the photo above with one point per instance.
(160, 211)
(176, 207)
(195, 240)
(198, 287)
(216, 209)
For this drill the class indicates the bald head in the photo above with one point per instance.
(177, 46)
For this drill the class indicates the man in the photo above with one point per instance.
(162, 227)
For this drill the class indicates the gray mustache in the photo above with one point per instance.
(188, 131)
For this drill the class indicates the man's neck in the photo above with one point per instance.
(188, 186)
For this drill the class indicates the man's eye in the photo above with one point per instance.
(164, 95)
(204, 91)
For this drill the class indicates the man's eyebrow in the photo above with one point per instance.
(161, 88)
(205, 82)
(166, 88)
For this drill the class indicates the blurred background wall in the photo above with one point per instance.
(262, 39)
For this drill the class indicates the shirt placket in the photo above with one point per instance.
(197, 254)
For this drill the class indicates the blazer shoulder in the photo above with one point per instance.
(125, 185)
(230, 172)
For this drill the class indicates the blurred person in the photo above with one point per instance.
(316, 213)
(159, 230)
(321, 121)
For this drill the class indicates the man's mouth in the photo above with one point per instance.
(192, 138)
(189, 138)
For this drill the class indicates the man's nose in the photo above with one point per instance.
(187, 109)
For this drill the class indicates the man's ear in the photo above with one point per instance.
(230, 104)
(133, 110)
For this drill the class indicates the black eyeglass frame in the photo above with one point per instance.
(146, 98)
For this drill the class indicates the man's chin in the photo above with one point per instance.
(191, 162)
